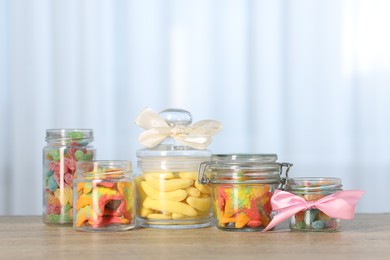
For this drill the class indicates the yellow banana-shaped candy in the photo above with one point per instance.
(145, 212)
(203, 188)
(192, 191)
(201, 204)
(159, 216)
(168, 185)
(176, 195)
(170, 206)
(188, 175)
(160, 175)
(177, 216)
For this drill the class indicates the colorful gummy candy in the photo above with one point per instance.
(104, 203)
(59, 171)
(313, 219)
(242, 206)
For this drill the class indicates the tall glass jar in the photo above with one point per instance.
(242, 186)
(104, 196)
(64, 148)
(168, 193)
(313, 189)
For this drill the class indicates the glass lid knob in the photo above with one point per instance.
(175, 117)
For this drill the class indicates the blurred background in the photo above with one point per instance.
(307, 80)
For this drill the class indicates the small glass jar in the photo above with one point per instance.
(104, 197)
(313, 189)
(168, 193)
(64, 148)
(242, 186)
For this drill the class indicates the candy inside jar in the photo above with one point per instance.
(104, 197)
(65, 147)
(242, 187)
(313, 189)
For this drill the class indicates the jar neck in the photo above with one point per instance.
(314, 184)
(75, 137)
(103, 170)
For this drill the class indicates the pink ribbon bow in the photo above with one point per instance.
(339, 205)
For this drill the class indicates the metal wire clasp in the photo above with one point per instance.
(202, 178)
(283, 180)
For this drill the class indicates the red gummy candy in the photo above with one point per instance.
(253, 212)
(69, 178)
(254, 223)
(70, 163)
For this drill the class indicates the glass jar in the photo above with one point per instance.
(64, 148)
(168, 193)
(104, 197)
(313, 189)
(242, 186)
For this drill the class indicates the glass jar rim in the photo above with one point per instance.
(68, 134)
(313, 184)
(103, 169)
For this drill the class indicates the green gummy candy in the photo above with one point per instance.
(59, 218)
(55, 154)
(76, 135)
(300, 225)
(79, 155)
(88, 156)
(66, 208)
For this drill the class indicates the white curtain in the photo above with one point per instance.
(307, 80)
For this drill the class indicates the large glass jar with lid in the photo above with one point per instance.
(242, 186)
(169, 195)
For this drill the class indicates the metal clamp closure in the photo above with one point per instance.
(283, 180)
(202, 178)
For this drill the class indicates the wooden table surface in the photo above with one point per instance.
(26, 237)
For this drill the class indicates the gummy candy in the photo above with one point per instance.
(59, 170)
(242, 206)
(52, 184)
(313, 219)
(101, 204)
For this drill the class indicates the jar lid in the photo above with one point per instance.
(242, 168)
(66, 136)
(313, 184)
(172, 142)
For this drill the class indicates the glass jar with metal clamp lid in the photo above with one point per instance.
(242, 186)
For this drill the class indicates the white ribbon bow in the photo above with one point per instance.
(197, 135)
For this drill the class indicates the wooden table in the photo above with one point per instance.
(365, 237)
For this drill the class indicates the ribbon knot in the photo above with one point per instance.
(197, 135)
(311, 204)
(178, 130)
(339, 205)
